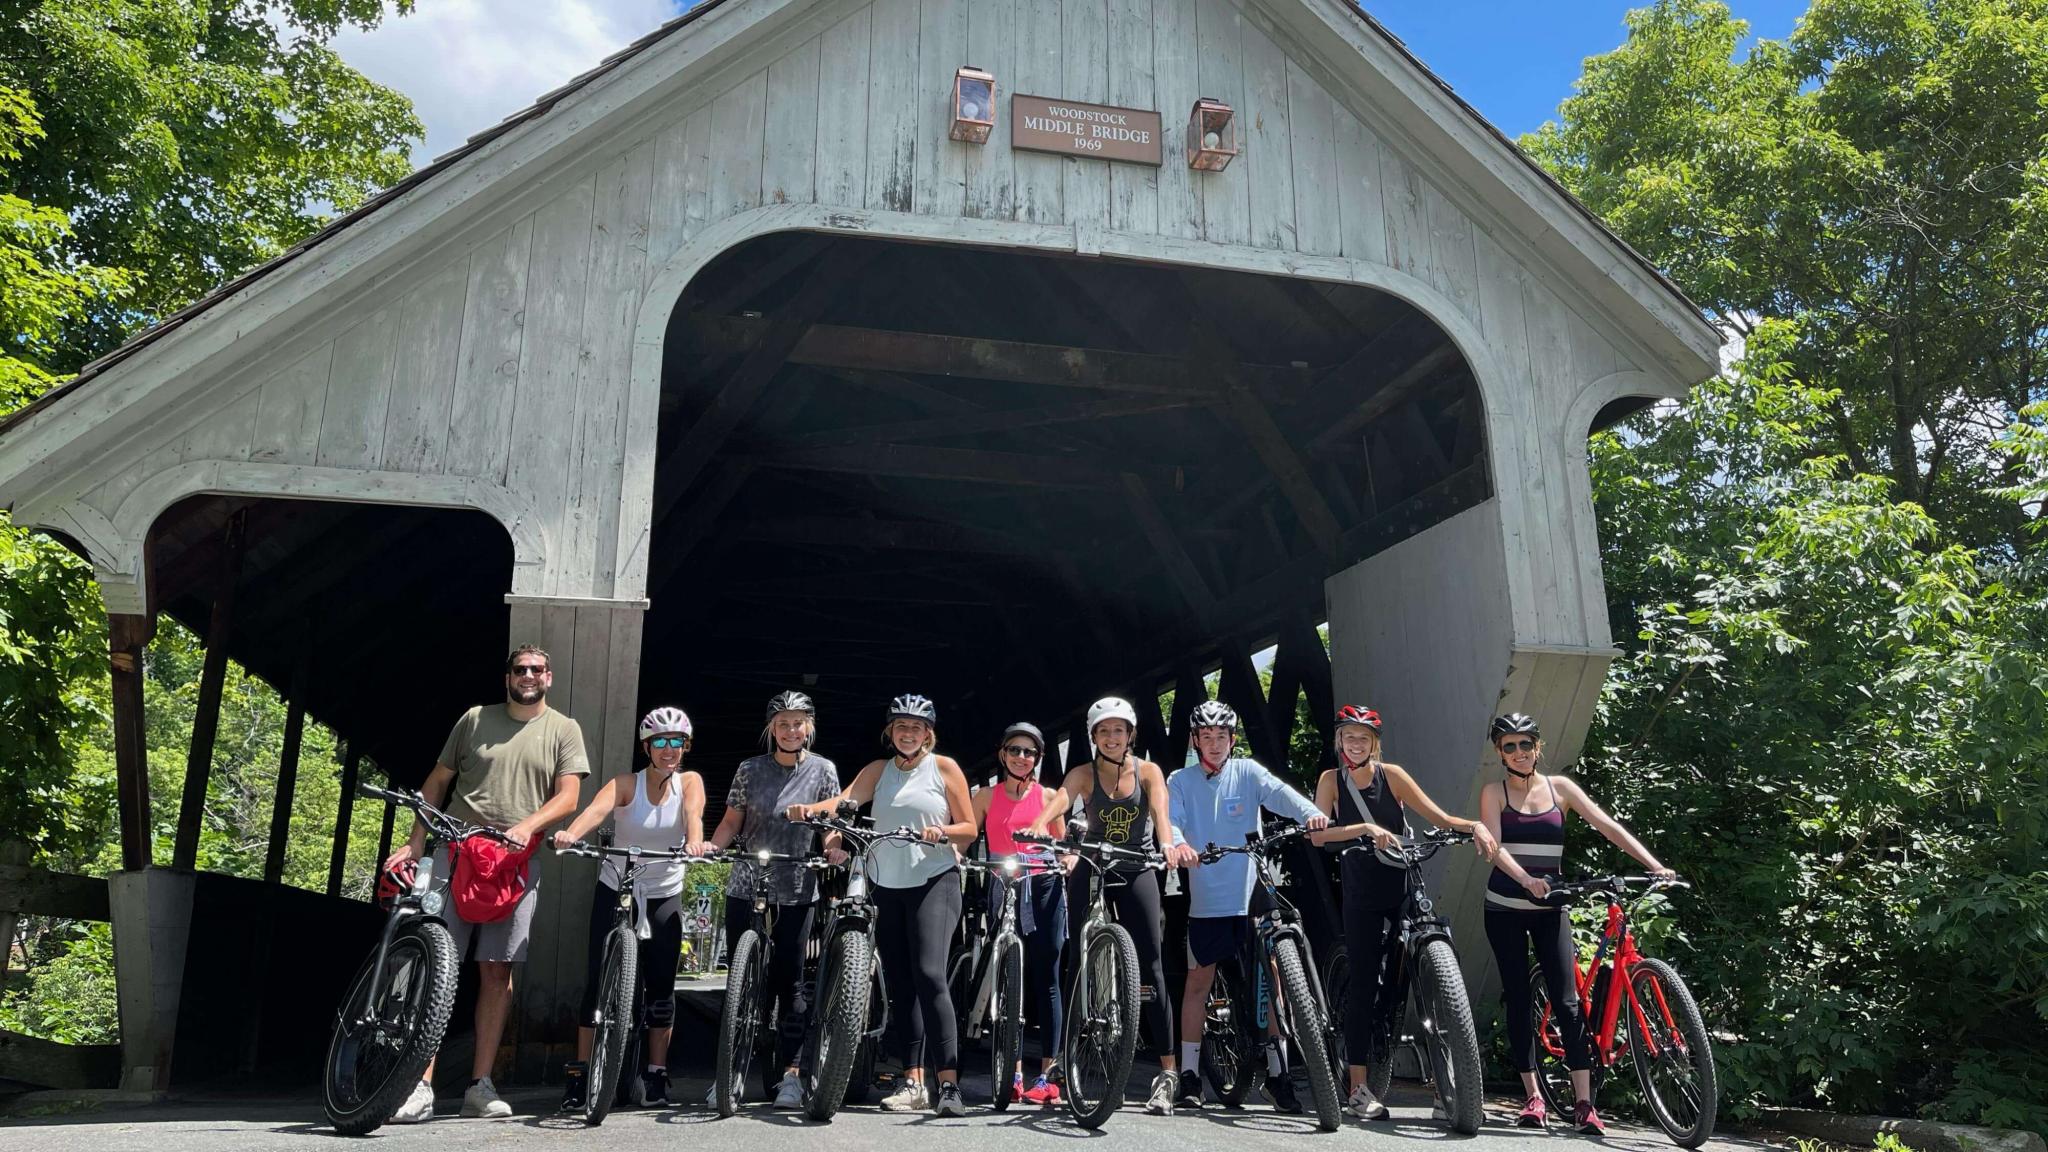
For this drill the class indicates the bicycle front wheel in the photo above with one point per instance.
(1101, 1035)
(1674, 1059)
(1230, 1046)
(1311, 1032)
(1452, 1041)
(1336, 995)
(738, 1023)
(839, 1023)
(389, 1027)
(618, 981)
(1006, 1019)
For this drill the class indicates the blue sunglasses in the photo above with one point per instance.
(668, 741)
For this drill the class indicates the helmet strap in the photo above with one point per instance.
(1529, 775)
(1103, 757)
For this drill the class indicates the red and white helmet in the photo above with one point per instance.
(664, 721)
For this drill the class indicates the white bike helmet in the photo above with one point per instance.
(913, 707)
(1213, 714)
(1111, 708)
(664, 721)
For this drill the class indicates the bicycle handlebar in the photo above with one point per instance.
(1254, 844)
(1408, 849)
(1615, 886)
(599, 851)
(1095, 850)
(448, 829)
(868, 838)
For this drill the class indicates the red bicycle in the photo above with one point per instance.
(1666, 1038)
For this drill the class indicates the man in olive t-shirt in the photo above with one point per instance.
(517, 767)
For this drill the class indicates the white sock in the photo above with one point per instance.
(1276, 1058)
(654, 1068)
(1191, 1056)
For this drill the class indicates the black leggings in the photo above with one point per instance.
(659, 954)
(1134, 905)
(785, 965)
(1371, 936)
(1511, 931)
(916, 926)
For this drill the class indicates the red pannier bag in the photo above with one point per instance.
(490, 878)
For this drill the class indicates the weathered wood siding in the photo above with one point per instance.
(506, 356)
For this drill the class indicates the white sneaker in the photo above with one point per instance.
(418, 1107)
(1160, 1102)
(789, 1095)
(911, 1097)
(711, 1095)
(1362, 1104)
(1437, 1111)
(481, 1102)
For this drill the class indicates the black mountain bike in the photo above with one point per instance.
(1234, 1029)
(1100, 1038)
(987, 981)
(391, 1022)
(746, 1027)
(614, 1043)
(849, 1003)
(1425, 1003)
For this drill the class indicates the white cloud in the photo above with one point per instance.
(468, 64)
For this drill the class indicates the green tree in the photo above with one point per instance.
(1881, 177)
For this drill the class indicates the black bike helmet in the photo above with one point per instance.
(1513, 724)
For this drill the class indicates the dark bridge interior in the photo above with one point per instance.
(1011, 482)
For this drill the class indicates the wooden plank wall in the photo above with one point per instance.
(508, 358)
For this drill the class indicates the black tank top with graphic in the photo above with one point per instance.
(1126, 823)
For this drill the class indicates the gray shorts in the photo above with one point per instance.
(503, 941)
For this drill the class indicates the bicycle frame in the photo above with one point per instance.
(1007, 873)
(420, 899)
(1618, 954)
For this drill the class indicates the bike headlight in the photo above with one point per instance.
(431, 902)
(1009, 867)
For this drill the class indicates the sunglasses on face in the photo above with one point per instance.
(1513, 746)
(1021, 751)
(668, 741)
(529, 670)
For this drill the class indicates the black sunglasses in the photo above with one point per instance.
(529, 670)
(1517, 745)
(1021, 751)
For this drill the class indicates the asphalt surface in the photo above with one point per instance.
(222, 1124)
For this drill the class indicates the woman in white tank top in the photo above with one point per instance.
(661, 807)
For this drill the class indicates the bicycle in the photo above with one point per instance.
(1100, 1038)
(850, 1003)
(390, 1024)
(615, 1034)
(991, 982)
(744, 1038)
(1232, 1039)
(1666, 1038)
(1425, 964)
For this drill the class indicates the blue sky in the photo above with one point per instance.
(467, 64)
(1515, 60)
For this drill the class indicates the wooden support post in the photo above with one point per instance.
(1150, 739)
(384, 838)
(1188, 691)
(1079, 750)
(1311, 662)
(212, 677)
(1240, 690)
(351, 763)
(127, 637)
(13, 854)
(1282, 695)
(287, 775)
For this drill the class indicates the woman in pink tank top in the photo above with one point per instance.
(1005, 806)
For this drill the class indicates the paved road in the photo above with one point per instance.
(224, 1125)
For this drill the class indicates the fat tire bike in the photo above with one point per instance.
(746, 1024)
(621, 1009)
(1424, 1005)
(1100, 1037)
(849, 1002)
(391, 1022)
(1234, 1026)
(988, 981)
(1665, 1038)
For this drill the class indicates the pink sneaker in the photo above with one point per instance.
(1588, 1119)
(1534, 1114)
(1043, 1092)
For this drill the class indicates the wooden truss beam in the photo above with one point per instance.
(1180, 567)
(1003, 361)
(1004, 420)
(904, 535)
(918, 462)
(212, 677)
(1386, 398)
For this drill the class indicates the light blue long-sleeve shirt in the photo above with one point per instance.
(1221, 810)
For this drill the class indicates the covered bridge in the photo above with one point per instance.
(731, 366)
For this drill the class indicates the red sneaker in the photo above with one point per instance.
(1588, 1119)
(1016, 1089)
(1042, 1091)
(1534, 1114)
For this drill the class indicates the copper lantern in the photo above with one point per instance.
(1212, 136)
(974, 105)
